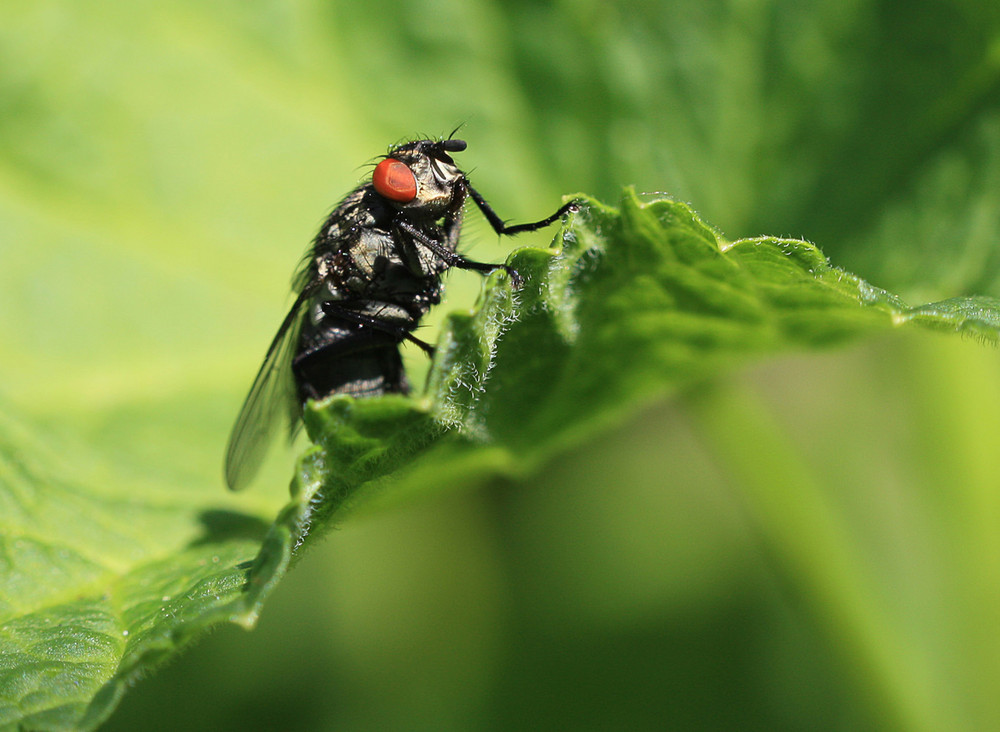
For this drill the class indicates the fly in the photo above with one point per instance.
(374, 270)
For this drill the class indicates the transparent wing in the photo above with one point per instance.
(271, 404)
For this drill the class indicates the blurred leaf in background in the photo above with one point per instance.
(162, 165)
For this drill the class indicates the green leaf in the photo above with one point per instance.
(106, 576)
(871, 128)
(163, 161)
(633, 304)
(104, 579)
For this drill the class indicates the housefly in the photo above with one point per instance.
(374, 270)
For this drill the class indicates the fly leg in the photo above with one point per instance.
(339, 309)
(453, 258)
(503, 229)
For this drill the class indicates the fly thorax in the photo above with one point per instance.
(369, 251)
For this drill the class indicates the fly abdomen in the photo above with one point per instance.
(352, 347)
(361, 363)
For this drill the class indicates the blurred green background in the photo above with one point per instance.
(164, 165)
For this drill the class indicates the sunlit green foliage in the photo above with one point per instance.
(808, 544)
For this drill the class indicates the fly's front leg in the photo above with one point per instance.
(503, 229)
(452, 258)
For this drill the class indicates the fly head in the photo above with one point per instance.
(421, 177)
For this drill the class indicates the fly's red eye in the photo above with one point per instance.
(394, 180)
